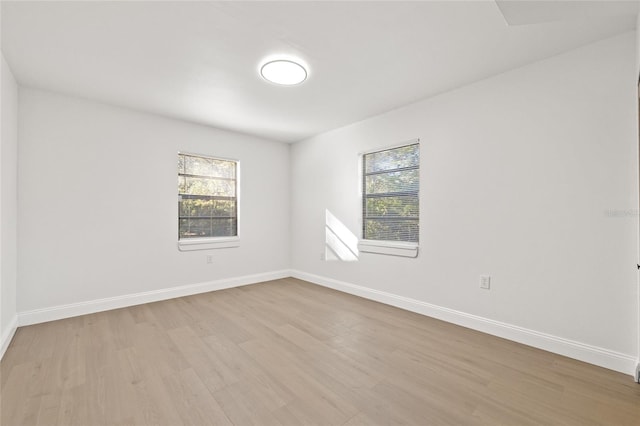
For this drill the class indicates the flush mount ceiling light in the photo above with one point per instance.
(283, 72)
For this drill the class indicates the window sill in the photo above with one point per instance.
(208, 243)
(389, 248)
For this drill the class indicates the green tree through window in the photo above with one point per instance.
(390, 202)
(207, 197)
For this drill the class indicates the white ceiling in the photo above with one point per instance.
(198, 61)
(525, 12)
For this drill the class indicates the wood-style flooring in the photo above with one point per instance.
(288, 352)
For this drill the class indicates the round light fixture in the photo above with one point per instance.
(283, 72)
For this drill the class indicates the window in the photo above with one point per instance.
(390, 201)
(207, 198)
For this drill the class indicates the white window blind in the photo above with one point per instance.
(390, 202)
(207, 197)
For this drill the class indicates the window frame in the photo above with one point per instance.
(207, 243)
(386, 247)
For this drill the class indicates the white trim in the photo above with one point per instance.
(602, 357)
(207, 156)
(394, 248)
(7, 335)
(92, 306)
(414, 141)
(208, 243)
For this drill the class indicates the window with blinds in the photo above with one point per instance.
(390, 188)
(207, 197)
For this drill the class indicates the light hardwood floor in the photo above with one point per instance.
(292, 353)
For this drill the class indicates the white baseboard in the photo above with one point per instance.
(92, 306)
(7, 335)
(592, 354)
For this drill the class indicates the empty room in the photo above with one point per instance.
(319, 213)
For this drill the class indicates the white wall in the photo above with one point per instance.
(8, 203)
(529, 176)
(638, 43)
(638, 115)
(98, 203)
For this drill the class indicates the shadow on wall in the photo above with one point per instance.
(340, 243)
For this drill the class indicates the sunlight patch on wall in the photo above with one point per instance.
(340, 242)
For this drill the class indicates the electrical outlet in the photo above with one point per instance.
(485, 282)
(323, 256)
(209, 258)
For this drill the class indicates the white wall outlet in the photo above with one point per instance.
(209, 258)
(323, 256)
(485, 282)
